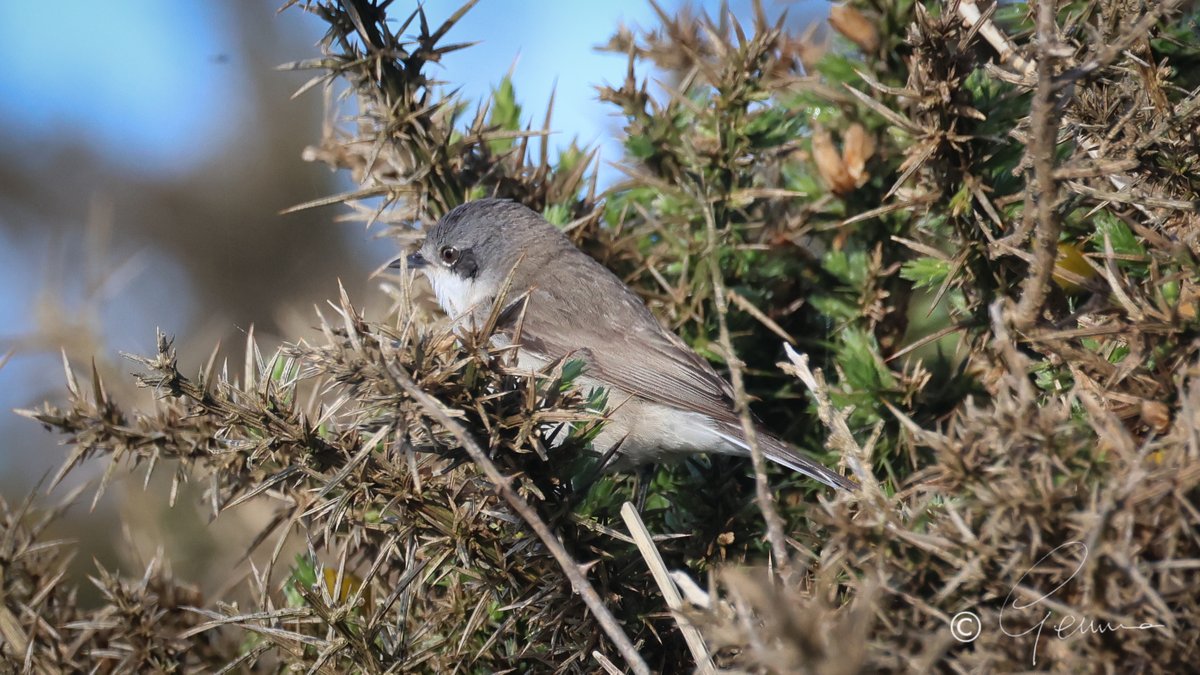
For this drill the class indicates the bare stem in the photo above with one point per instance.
(969, 11)
(1043, 194)
(762, 489)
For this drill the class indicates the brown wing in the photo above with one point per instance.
(623, 344)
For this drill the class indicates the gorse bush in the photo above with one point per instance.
(977, 222)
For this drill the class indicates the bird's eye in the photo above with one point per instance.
(449, 255)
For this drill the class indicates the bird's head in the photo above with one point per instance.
(469, 252)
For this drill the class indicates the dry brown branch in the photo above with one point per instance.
(762, 486)
(835, 420)
(1042, 193)
(1108, 53)
(1005, 49)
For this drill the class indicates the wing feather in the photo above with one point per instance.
(620, 340)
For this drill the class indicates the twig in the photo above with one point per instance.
(1041, 150)
(691, 590)
(969, 11)
(762, 489)
(833, 419)
(749, 308)
(569, 567)
(658, 569)
(1125, 195)
(608, 666)
(1006, 346)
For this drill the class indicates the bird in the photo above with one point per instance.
(666, 402)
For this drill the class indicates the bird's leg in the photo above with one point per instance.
(641, 486)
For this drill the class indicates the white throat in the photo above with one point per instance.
(455, 294)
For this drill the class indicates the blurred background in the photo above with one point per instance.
(147, 149)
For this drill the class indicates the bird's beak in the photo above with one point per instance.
(416, 261)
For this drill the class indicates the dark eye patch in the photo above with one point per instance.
(467, 265)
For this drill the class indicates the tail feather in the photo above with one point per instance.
(780, 452)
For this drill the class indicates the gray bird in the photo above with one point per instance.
(669, 402)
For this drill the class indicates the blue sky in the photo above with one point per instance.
(155, 84)
(140, 80)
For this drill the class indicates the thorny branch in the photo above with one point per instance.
(1042, 194)
(502, 484)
